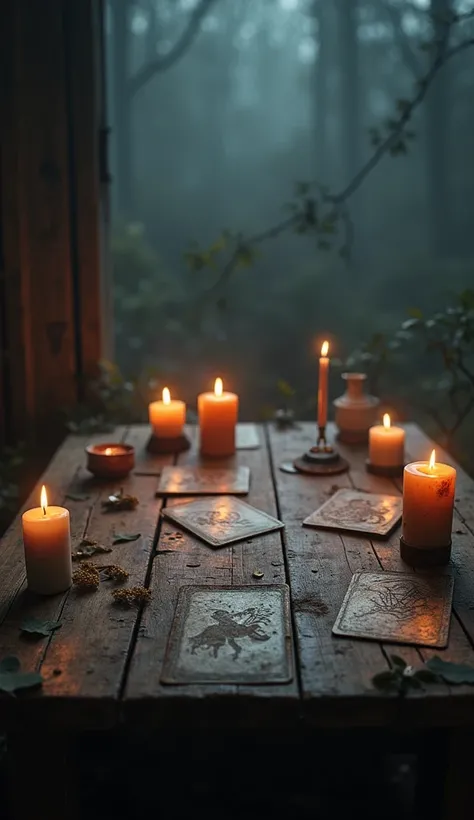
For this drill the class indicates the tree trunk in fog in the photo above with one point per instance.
(322, 75)
(349, 84)
(122, 109)
(437, 131)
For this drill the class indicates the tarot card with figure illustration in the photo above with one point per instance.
(369, 513)
(227, 634)
(397, 608)
(223, 520)
(204, 481)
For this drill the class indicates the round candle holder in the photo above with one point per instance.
(323, 459)
(387, 472)
(158, 445)
(424, 557)
(110, 460)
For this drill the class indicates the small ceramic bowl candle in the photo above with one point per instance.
(110, 460)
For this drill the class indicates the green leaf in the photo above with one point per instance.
(77, 496)
(398, 662)
(426, 676)
(454, 673)
(386, 680)
(122, 537)
(36, 626)
(285, 389)
(415, 313)
(11, 679)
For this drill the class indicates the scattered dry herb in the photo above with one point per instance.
(87, 577)
(120, 501)
(87, 548)
(131, 595)
(115, 573)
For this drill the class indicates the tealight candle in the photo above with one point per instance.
(428, 503)
(217, 421)
(323, 385)
(110, 460)
(167, 417)
(47, 543)
(386, 445)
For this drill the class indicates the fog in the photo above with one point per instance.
(214, 137)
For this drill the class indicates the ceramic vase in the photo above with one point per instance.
(356, 411)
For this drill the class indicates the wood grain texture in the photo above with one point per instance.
(187, 560)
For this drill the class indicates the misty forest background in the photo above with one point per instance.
(242, 231)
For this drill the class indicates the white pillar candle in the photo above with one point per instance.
(386, 444)
(167, 417)
(47, 543)
(428, 502)
(217, 421)
(323, 386)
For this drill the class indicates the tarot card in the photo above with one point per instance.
(397, 608)
(223, 520)
(230, 635)
(247, 437)
(204, 481)
(370, 513)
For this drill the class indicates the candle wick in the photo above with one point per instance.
(44, 510)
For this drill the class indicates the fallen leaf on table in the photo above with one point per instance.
(36, 626)
(87, 548)
(120, 501)
(257, 573)
(122, 537)
(77, 496)
(12, 679)
(454, 673)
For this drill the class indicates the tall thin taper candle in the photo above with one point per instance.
(323, 385)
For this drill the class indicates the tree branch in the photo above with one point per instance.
(145, 74)
(394, 16)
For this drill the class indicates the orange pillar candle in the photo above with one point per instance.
(167, 417)
(217, 421)
(47, 543)
(386, 444)
(428, 503)
(323, 385)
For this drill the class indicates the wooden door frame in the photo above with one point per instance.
(52, 183)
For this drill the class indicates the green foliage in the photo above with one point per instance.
(124, 537)
(452, 673)
(37, 626)
(12, 679)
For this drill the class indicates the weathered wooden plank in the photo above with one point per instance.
(320, 568)
(388, 553)
(92, 647)
(189, 561)
(65, 472)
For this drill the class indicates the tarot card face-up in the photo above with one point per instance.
(223, 520)
(397, 608)
(230, 635)
(369, 513)
(204, 481)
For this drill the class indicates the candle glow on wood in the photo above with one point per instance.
(428, 503)
(323, 385)
(167, 417)
(47, 544)
(386, 444)
(217, 421)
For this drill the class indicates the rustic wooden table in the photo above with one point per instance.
(103, 666)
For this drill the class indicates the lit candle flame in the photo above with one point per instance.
(166, 396)
(218, 387)
(108, 451)
(324, 349)
(432, 460)
(44, 499)
(386, 421)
